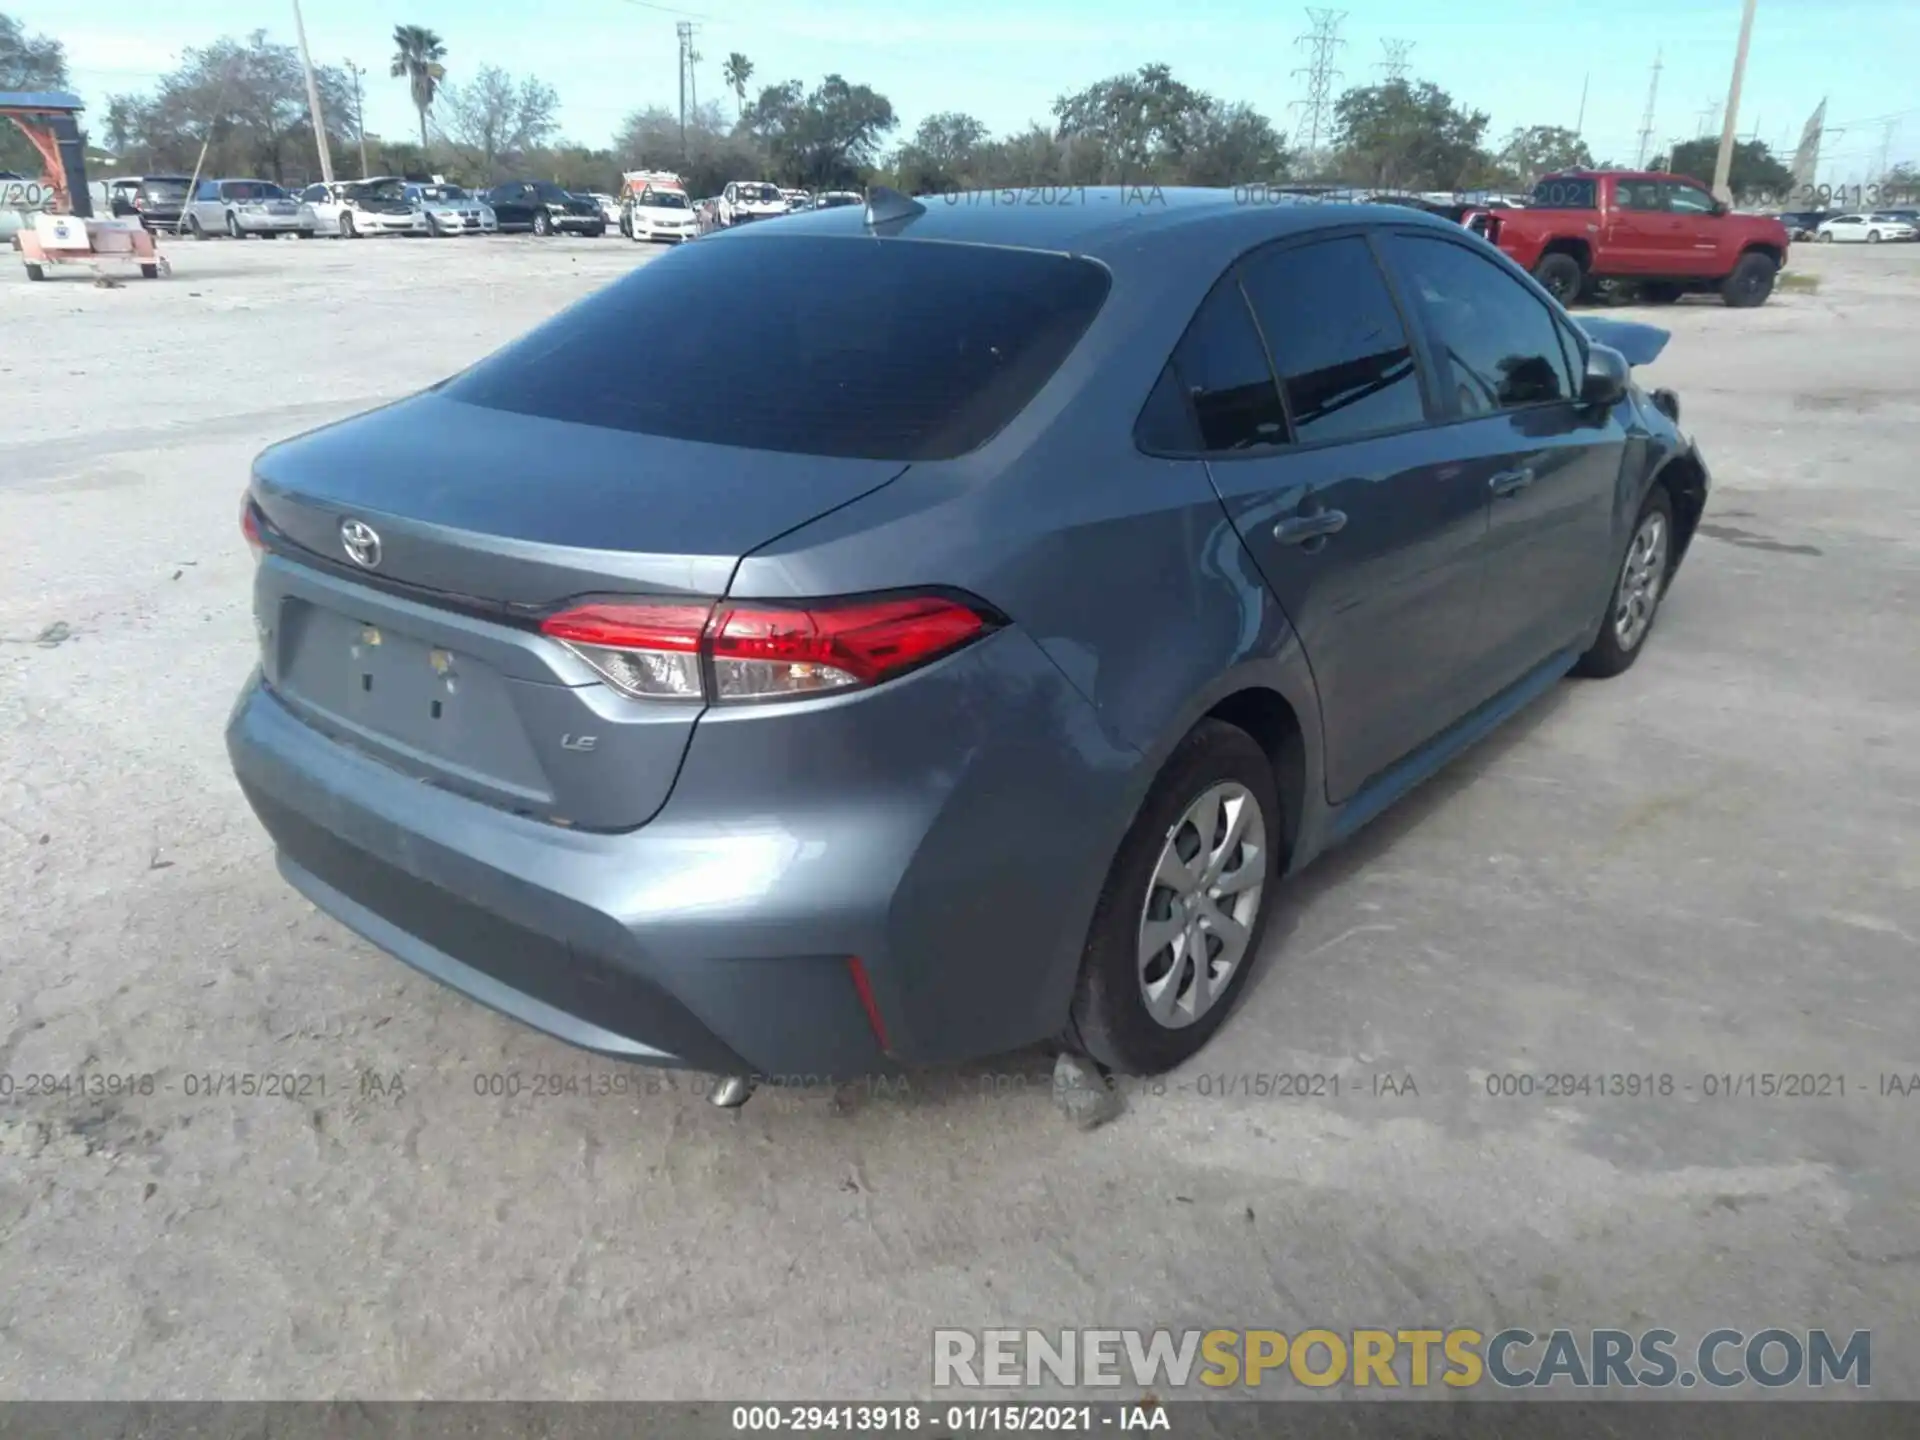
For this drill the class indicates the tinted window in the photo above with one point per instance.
(551, 193)
(1560, 192)
(1637, 194)
(1345, 365)
(816, 345)
(253, 190)
(1689, 200)
(1223, 368)
(168, 190)
(1166, 424)
(1498, 342)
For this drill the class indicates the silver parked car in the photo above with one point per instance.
(450, 210)
(247, 207)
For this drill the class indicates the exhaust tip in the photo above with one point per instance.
(732, 1092)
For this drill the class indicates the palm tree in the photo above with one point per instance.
(737, 71)
(417, 55)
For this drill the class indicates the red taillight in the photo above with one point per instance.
(864, 988)
(762, 652)
(250, 527)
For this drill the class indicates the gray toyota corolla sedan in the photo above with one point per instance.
(909, 632)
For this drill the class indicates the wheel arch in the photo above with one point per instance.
(1684, 479)
(1579, 249)
(1270, 718)
(1761, 247)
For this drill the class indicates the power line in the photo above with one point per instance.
(1323, 43)
(669, 10)
(1646, 120)
(1395, 65)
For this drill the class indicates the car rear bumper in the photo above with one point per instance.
(952, 834)
(252, 223)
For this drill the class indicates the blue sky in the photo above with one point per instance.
(1522, 61)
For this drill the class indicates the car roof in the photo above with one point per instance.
(1120, 226)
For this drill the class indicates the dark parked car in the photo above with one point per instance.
(156, 200)
(544, 208)
(971, 672)
(1805, 224)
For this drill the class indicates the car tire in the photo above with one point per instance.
(1873, 237)
(150, 272)
(1561, 276)
(233, 227)
(194, 228)
(1214, 775)
(1750, 283)
(347, 231)
(542, 224)
(596, 232)
(36, 272)
(1659, 292)
(306, 234)
(1825, 237)
(1639, 585)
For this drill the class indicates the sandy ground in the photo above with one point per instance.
(1706, 867)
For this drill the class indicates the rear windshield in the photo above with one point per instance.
(253, 190)
(815, 345)
(164, 189)
(1564, 192)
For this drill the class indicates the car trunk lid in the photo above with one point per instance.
(418, 643)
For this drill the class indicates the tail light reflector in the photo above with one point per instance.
(735, 653)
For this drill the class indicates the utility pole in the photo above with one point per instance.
(684, 29)
(359, 114)
(1580, 120)
(1723, 167)
(313, 97)
(1646, 120)
(1323, 42)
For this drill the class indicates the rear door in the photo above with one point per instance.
(1369, 540)
(1699, 232)
(1639, 236)
(1548, 465)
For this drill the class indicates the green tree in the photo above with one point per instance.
(829, 137)
(245, 100)
(736, 72)
(943, 155)
(417, 53)
(1408, 135)
(1148, 127)
(1756, 170)
(1536, 150)
(715, 153)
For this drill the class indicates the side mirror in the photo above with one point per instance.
(1720, 207)
(1608, 377)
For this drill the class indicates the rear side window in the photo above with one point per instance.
(1344, 361)
(1221, 369)
(815, 345)
(1499, 344)
(1563, 192)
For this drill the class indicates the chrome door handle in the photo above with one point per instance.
(1299, 529)
(1510, 482)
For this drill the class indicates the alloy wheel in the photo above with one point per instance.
(1201, 904)
(1641, 577)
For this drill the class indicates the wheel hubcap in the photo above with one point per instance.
(1201, 904)
(1641, 577)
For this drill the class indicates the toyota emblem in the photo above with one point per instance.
(361, 542)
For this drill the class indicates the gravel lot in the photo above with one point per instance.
(1708, 866)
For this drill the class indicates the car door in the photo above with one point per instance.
(1639, 231)
(1550, 465)
(325, 206)
(1698, 230)
(1370, 546)
(1846, 227)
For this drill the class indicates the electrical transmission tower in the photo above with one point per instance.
(1323, 43)
(1646, 120)
(689, 96)
(1394, 67)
